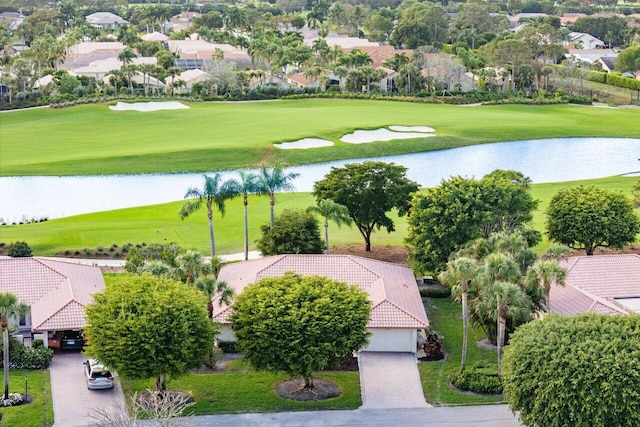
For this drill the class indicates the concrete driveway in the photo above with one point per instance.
(390, 380)
(73, 403)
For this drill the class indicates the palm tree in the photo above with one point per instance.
(501, 301)
(126, 56)
(214, 290)
(214, 192)
(458, 275)
(9, 307)
(275, 179)
(248, 184)
(544, 273)
(191, 266)
(333, 211)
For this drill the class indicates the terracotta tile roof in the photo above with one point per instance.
(392, 288)
(593, 283)
(56, 291)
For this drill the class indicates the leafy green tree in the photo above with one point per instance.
(369, 190)
(330, 210)
(300, 324)
(421, 24)
(502, 301)
(459, 275)
(629, 59)
(9, 307)
(635, 190)
(147, 326)
(578, 370)
(19, 249)
(272, 180)
(589, 217)
(214, 192)
(294, 232)
(443, 219)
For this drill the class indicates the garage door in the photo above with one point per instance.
(403, 340)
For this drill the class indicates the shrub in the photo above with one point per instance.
(227, 346)
(13, 400)
(22, 357)
(19, 249)
(213, 357)
(293, 232)
(478, 379)
(435, 292)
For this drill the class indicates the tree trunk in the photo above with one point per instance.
(465, 331)
(211, 237)
(272, 202)
(5, 359)
(161, 383)
(308, 382)
(500, 341)
(326, 232)
(246, 228)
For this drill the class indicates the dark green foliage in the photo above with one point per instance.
(589, 217)
(298, 324)
(23, 357)
(147, 326)
(478, 379)
(19, 249)
(293, 232)
(138, 255)
(575, 371)
(445, 218)
(435, 292)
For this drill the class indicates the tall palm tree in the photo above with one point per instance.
(333, 211)
(126, 57)
(191, 266)
(215, 192)
(248, 184)
(9, 307)
(459, 274)
(501, 301)
(214, 290)
(544, 273)
(275, 179)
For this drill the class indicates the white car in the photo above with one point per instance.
(98, 376)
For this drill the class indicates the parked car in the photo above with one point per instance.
(72, 340)
(98, 376)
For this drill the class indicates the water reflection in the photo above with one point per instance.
(551, 160)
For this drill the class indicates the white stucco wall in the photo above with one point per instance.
(226, 334)
(403, 340)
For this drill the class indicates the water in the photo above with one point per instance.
(550, 160)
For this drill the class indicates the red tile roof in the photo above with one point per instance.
(593, 283)
(392, 288)
(56, 291)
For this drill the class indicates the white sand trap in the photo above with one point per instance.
(148, 106)
(303, 144)
(365, 136)
(425, 129)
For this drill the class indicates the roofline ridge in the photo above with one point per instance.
(399, 308)
(33, 327)
(596, 298)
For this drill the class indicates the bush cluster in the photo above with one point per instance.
(22, 357)
(19, 250)
(435, 292)
(478, 379)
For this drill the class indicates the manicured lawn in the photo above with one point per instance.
(161, 224)
(91, 139)
(240, 390)
(40, 411)
(445, 317)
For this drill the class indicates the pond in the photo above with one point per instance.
(549, 160)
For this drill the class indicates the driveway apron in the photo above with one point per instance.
(73, 403)
(390, 380)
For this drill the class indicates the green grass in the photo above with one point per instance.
(37, 413)
(446, 318)
(161, 224)
(91, 139)
(239, 391)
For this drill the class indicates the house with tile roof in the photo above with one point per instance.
(106, 20)
(397, 313)
(606, 284)
(56, 293)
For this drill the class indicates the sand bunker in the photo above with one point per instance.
(425, 129)
(365, 136)
(148, 106)
(304, 144)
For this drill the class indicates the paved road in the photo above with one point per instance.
(463, 416)
(390, 380)
(73, 403)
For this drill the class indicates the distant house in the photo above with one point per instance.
(397, 313)
(607, 284)
(181, 21)
(608, 64)
(388, 82)
(591, 55)
(585, 41)
(56, 293)
(570, 18)
(99, 69)
(106, 20)
(155, 37)
(189, 77)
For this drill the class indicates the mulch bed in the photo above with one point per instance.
(294, 390)
(394, 254)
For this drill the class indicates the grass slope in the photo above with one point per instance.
(161, 224)
(91, 139)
